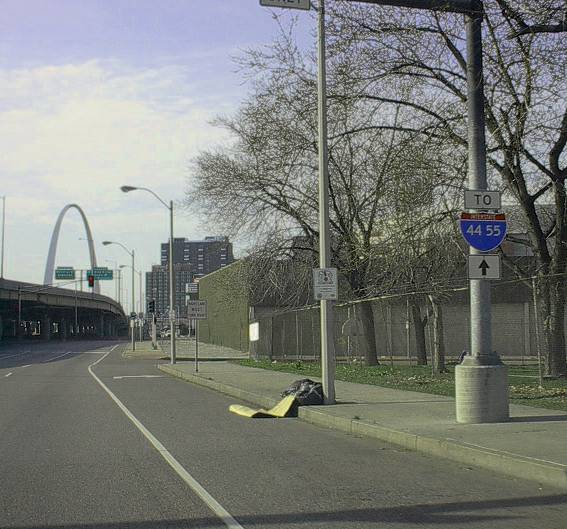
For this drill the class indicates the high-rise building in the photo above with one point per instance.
(191, 259)
(204, 256)
(157, 288)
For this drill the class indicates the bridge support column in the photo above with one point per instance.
(1, 327)
(46, 327)
(100, 331)
(63, 329)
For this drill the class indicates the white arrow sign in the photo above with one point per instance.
(484, 266)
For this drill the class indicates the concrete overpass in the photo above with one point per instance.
(30, 311)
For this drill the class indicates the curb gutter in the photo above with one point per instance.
(511, 464)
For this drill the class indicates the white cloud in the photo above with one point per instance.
(75, 133)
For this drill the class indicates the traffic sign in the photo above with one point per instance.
(484, 266)
(101, 273)
(325, 283)
(197, 310)
(294, 4)
(64, 272)
(192, 288)
(483, 231)
(482, 199)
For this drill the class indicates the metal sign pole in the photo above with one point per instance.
(480, 369)
(326, 306)
(196, 346)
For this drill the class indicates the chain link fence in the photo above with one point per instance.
(295, 334)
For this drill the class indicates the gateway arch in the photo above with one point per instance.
(50, 265)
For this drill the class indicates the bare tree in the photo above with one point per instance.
(266, 182)
(416, 61)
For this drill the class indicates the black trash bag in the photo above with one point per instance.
(306, 392)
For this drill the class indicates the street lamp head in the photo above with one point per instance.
(106, 243)
(127, 189)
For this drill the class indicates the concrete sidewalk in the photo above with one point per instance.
(533, 445)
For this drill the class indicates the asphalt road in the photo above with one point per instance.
(71, 456)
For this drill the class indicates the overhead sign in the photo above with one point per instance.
(294, 4)
(482, 199)
(484, 266)
(101, 273)
(325, 283)
(197, 310)
(483, 231)
(64, 272)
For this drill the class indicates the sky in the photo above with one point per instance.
(95, 94)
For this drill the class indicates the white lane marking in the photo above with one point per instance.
(6, 376)
(58, 356)
(199, 490)
(138, 376)
(27, 365)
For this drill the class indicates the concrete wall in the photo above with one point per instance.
(227, 322)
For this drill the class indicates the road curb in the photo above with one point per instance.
(548, 472)
(233, 391)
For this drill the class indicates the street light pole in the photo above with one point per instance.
(172, 349)
(131, 253)
(326, 305)
(115, 269)
(141, 307)
(171, 287)
(133, 307)
(119, 272)
(3, 228)
(481, 380)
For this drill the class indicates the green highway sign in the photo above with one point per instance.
(101, 273)
(64, 272)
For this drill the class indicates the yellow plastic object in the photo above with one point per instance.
(284, 408)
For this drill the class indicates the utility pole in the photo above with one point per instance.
(3, 229)
(481, 381)
(326, 305)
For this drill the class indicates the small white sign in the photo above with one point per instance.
(482, 199)
(325, 283)
(197, 310)
(191, 288)
(294, 4)
(254, 331)
(484, 266)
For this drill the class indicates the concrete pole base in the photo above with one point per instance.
(481, 393)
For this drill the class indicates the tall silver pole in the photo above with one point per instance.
(119, 286)
(481, 380)
(133, 322)
(326, 306)
(3, 228)
(196, 346)
(141, 337)
(480, 299)
(171, 287)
